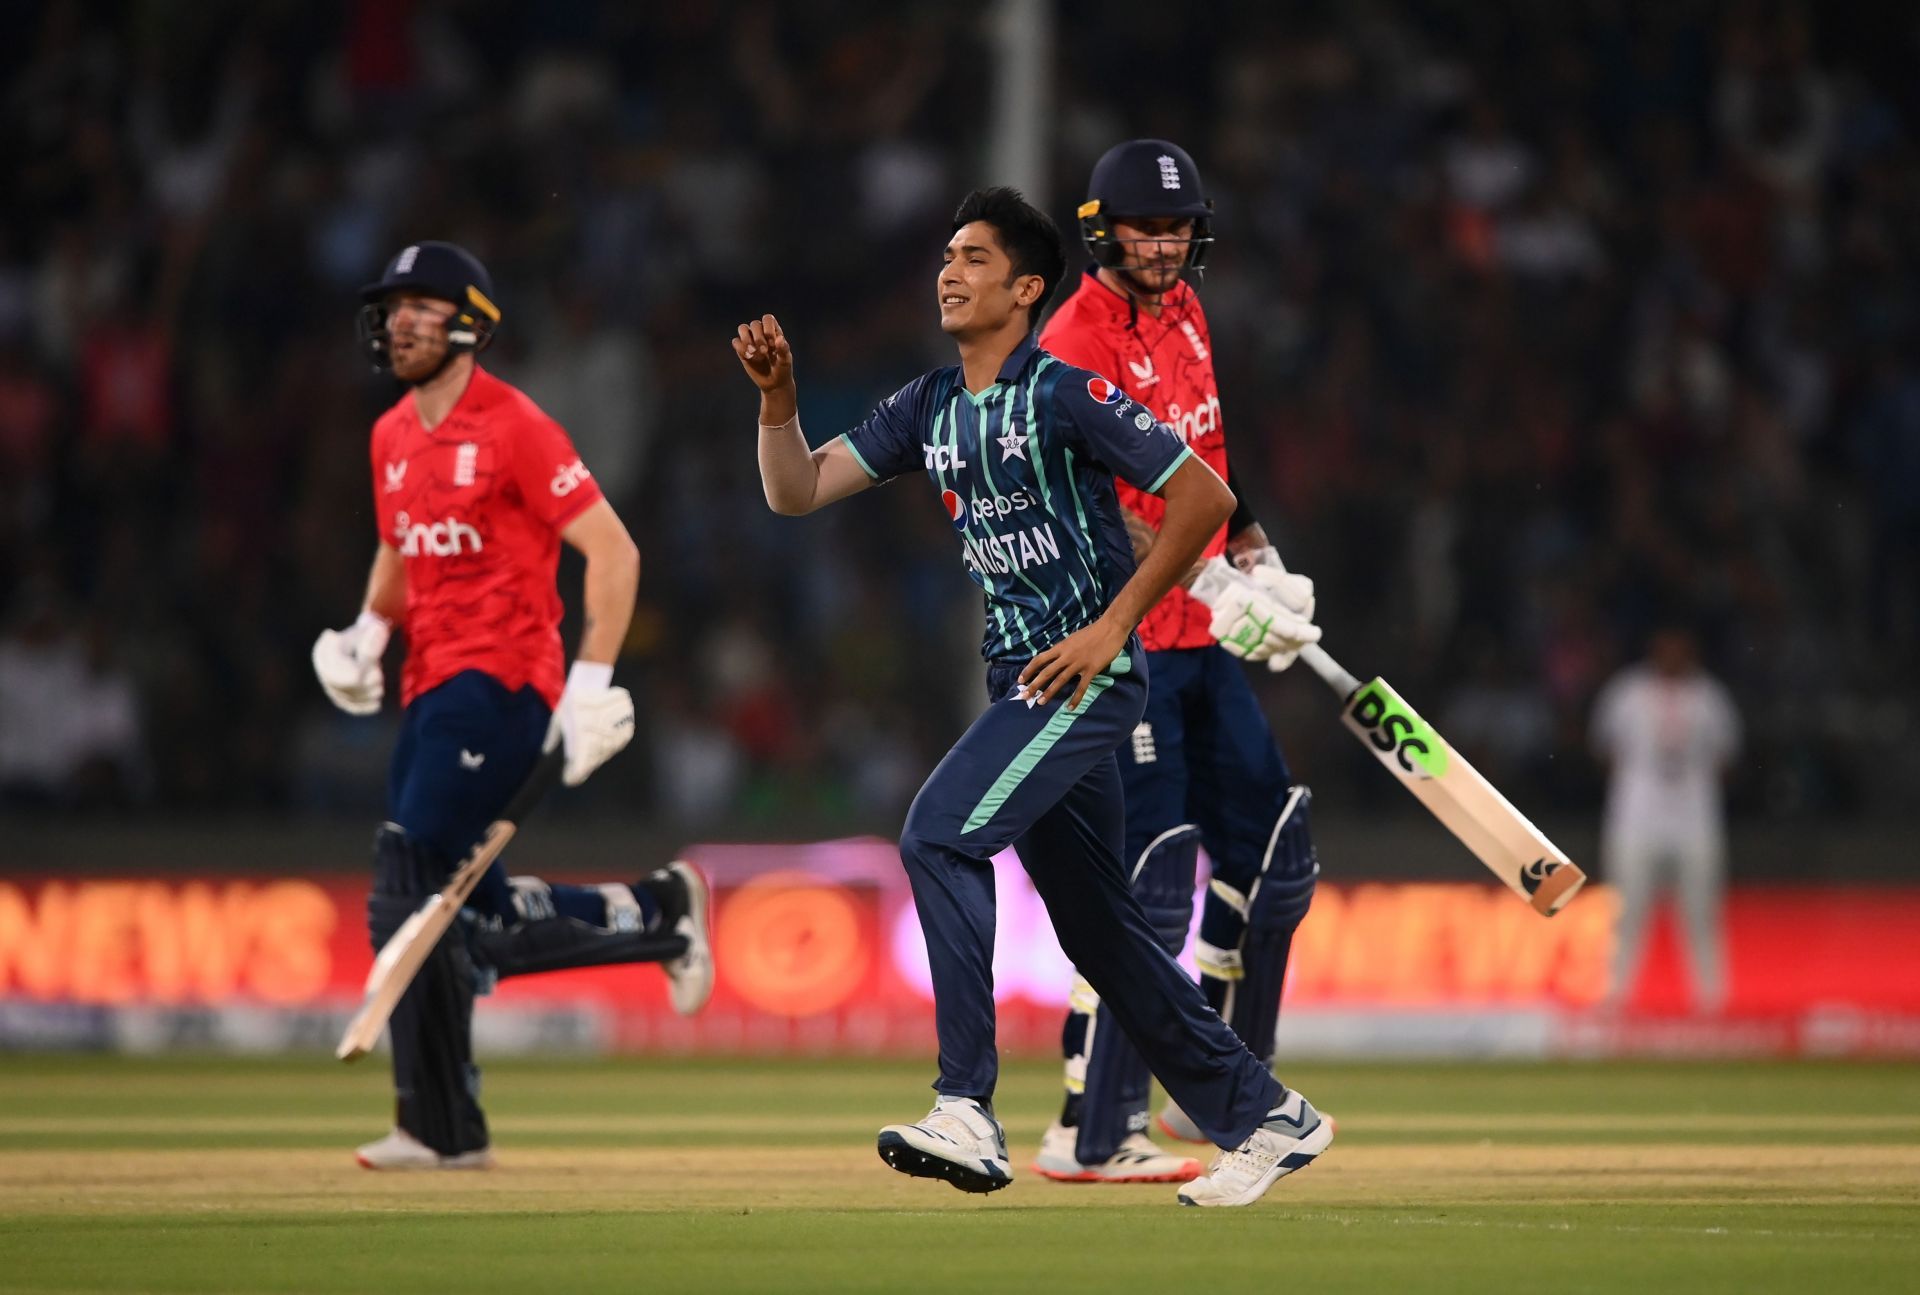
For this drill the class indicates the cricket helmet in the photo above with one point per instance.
(1144, 178)
(435, 269)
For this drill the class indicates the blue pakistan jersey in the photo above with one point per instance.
(1025, 470)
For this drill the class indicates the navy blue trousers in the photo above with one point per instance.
(465, 747)
(1205, 756)
(1045, 780)
(1211, 760)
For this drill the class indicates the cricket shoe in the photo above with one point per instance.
(685, 904)
(1292, 1137)
(958, 1142)
(1178, 1125)
(401, 1150)
(1175, 1124)
(1137, 1161)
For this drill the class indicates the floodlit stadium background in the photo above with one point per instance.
(1533, 324)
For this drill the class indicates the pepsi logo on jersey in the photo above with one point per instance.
(956, 509)
(1102, 391)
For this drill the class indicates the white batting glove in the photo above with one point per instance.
(1295, 591)
(348, 663)
(1249, 619)
(594, 720)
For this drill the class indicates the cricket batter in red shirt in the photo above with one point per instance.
(474, 489)
(1203, 767)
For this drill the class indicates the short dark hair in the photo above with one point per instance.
(1028, 236)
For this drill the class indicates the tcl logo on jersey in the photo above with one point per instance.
(1191, 424)
(567, 478)
(1102, 390)
(942, 458)
(956, 509)
(446, 539)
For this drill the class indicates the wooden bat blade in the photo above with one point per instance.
(1453, 791)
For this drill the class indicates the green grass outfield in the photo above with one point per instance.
(685, 1177)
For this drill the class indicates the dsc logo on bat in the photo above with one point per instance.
(1398, 736)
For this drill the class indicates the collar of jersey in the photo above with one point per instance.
(1009, 371)
(479, 388)
(1117, 304)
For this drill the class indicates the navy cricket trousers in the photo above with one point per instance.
(465, 747)
(1045, 780)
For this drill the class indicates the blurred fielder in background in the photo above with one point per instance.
(473, 489)
(1667, 730)
(1202, 767)
(1024, 450)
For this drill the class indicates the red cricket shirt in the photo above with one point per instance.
(1167, 365)
(475, 508)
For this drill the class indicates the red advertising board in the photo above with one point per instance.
(818, 950)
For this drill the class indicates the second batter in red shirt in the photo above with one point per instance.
(1165, 363)
(475, 508)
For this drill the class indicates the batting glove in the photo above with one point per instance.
(1295, 592)
(348, 663)
(594, 720)
(1249, 618)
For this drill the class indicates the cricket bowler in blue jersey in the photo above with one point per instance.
(1023, 451)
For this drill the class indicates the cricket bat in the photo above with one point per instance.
(401, 958)
(1453, 791)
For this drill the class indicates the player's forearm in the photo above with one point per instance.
(612, 584)
(386, 594)
(1198, 504)
(788, 472)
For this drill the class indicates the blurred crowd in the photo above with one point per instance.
(1537, 326)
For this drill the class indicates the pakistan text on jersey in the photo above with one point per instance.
(1005, 554)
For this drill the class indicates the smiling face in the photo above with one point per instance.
(417, 334)
(978, 291)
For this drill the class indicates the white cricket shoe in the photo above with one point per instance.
(958, 1142)
(401, 1150)
(1176, 1124)
(1292, 1137)
(1137, 1161)
(690, 976)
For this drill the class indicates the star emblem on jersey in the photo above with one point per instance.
(1102, 391)
(956, 509)
(1013, 445)
(472, 760)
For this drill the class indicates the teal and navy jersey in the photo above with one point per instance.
(1025, 470)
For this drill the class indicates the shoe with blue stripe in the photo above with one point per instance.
(1292, 1137)
(958, 1142)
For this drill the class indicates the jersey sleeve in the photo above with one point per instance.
(1116, 431)
(1723, 723)
(886, 444)
(554, 482)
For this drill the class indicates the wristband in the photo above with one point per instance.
(368, 618)
(589, 677)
